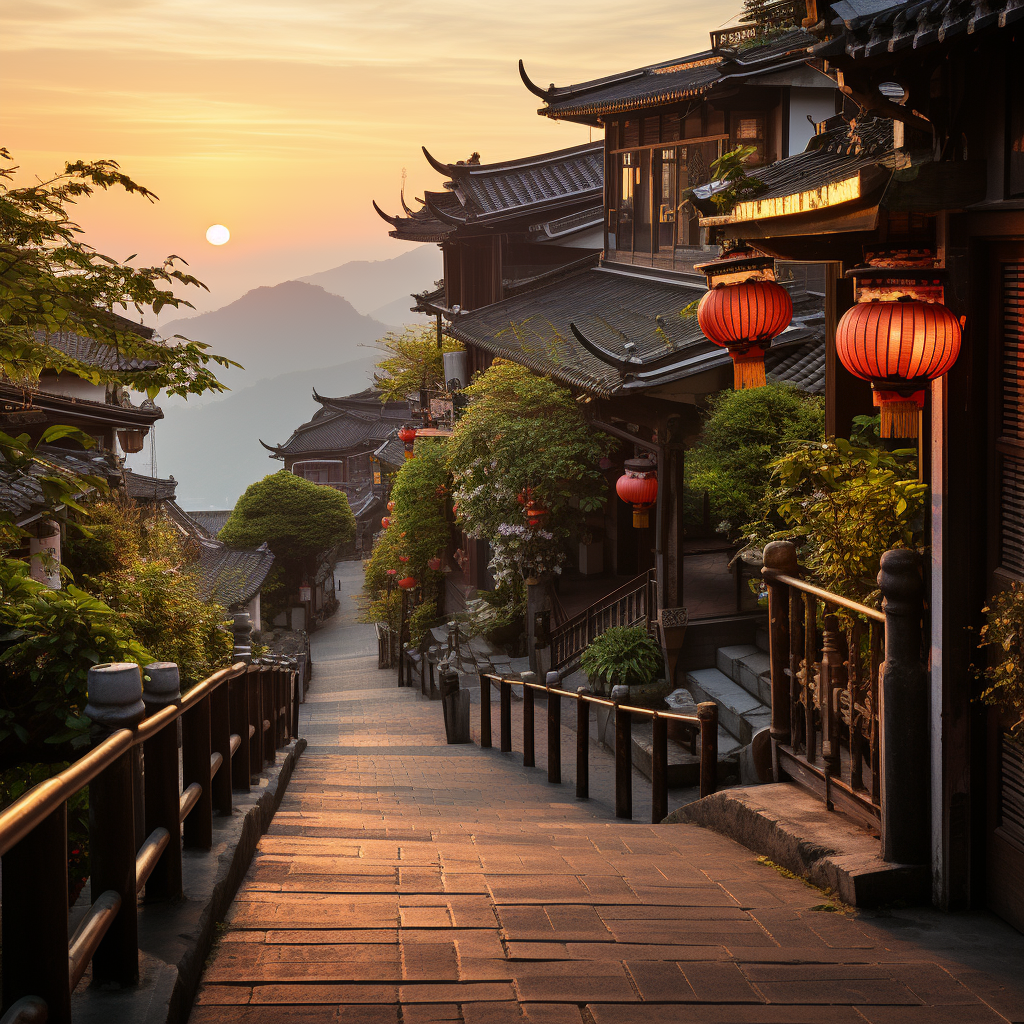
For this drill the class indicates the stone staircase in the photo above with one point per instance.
(740, 683)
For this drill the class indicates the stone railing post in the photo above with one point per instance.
(779, 559)
(115, 702)
(903, 713)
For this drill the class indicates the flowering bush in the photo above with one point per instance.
(1003, 634)
(524, 443)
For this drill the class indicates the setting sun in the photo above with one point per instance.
(217, 234)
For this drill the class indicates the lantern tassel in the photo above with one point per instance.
(640, 519)
(899, 419)
(748, 372)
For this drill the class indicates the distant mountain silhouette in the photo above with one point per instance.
(271, 330)
(371, 284)
(398, 314)
(214, 450)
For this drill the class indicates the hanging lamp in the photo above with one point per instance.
(743, 310)
(638, 486)
(407, 435)
(898, 334)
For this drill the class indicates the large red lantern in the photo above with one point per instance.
(385, 522)
(407, 435)
(742, 310)
(409, 583)
(638, 486)
(899, 336)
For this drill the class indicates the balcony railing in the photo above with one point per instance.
(850, 698)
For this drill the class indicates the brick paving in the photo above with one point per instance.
(404, 881)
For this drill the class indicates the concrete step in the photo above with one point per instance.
(791, 827)
(750, 667)
(761, 638)
(683, 767)
(740, 712)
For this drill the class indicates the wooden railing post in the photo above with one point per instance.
(239, 699)
(115, 702)
(35, 917)
(269, 726)
(220, 743)
(707, 714)
(659, 770)
(197, 828)
(903, 718)
(161, 688)
(529, 734)
(779, 558)
(253, 682)
(582, 744)
(623, 755)
(296, 684)
(485, 711)
(506, 716)
(830, 682)
(554, 728)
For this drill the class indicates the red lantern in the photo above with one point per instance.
(743, 310)
(638, 486)
(899, 336)
(403, 558)
(535, 516)
(385, 522)
(392, 572)
(391, 506)
(407, 435)
(434, 564)
(409, 583)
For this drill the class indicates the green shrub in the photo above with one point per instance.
(622, 656)
(1003, 635)
(746, 431)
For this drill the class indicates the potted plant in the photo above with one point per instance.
(626, 656)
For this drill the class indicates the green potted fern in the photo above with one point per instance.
(626, 656)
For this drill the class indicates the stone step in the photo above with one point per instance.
(750, 667)
(683, 767)
(740, 712)
(761, 638)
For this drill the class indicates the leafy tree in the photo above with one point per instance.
(524, 440)
(297, 520)
(847, 506)
(746, 431)
(420, 530)
(414, 363)
(138, 564)
(51, 281)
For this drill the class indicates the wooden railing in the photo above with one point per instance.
(632, 604)
(849, 697)
(705, 720)
(231, 725)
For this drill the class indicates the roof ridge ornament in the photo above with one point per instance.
(544, 94)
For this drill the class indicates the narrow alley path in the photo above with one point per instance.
(404, 880)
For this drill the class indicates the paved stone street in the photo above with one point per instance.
(404, 880)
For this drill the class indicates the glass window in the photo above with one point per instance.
(666, 193)
(627, 181)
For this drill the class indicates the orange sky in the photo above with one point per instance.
(283, 118)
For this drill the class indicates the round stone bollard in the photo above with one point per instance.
(161, 686)
(620, 693)
(553, 679)
(115, 696)
(241, 628)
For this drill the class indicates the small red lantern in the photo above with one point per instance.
(434, 564)
(407, 435)
(385, 522)
(743, 309)
(392, 572)
(409, 583)
(899, 336)
(535, 516)
(638, 486)
(391, 506)
(403, 558)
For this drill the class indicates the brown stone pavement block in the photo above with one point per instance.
(695, 933)
(435, 1013)
(634, 913)
(513, 1013)
(295, 1015)
(977, 1014)
(651, 1013)
(573, 981)
(660, 982)
(612, 951)
(430, 961)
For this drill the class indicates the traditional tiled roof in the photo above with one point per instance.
(487, 194)
(391, 452)
(211, 522)
(355, 423)
(103, 357)
(679, 79)
(603, 329)
(827, 173)
(22, 493)
(869, 28)
(148, 488)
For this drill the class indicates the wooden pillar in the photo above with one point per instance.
(670, 517)
(779, 557)
(846, 396)
(903, 713)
